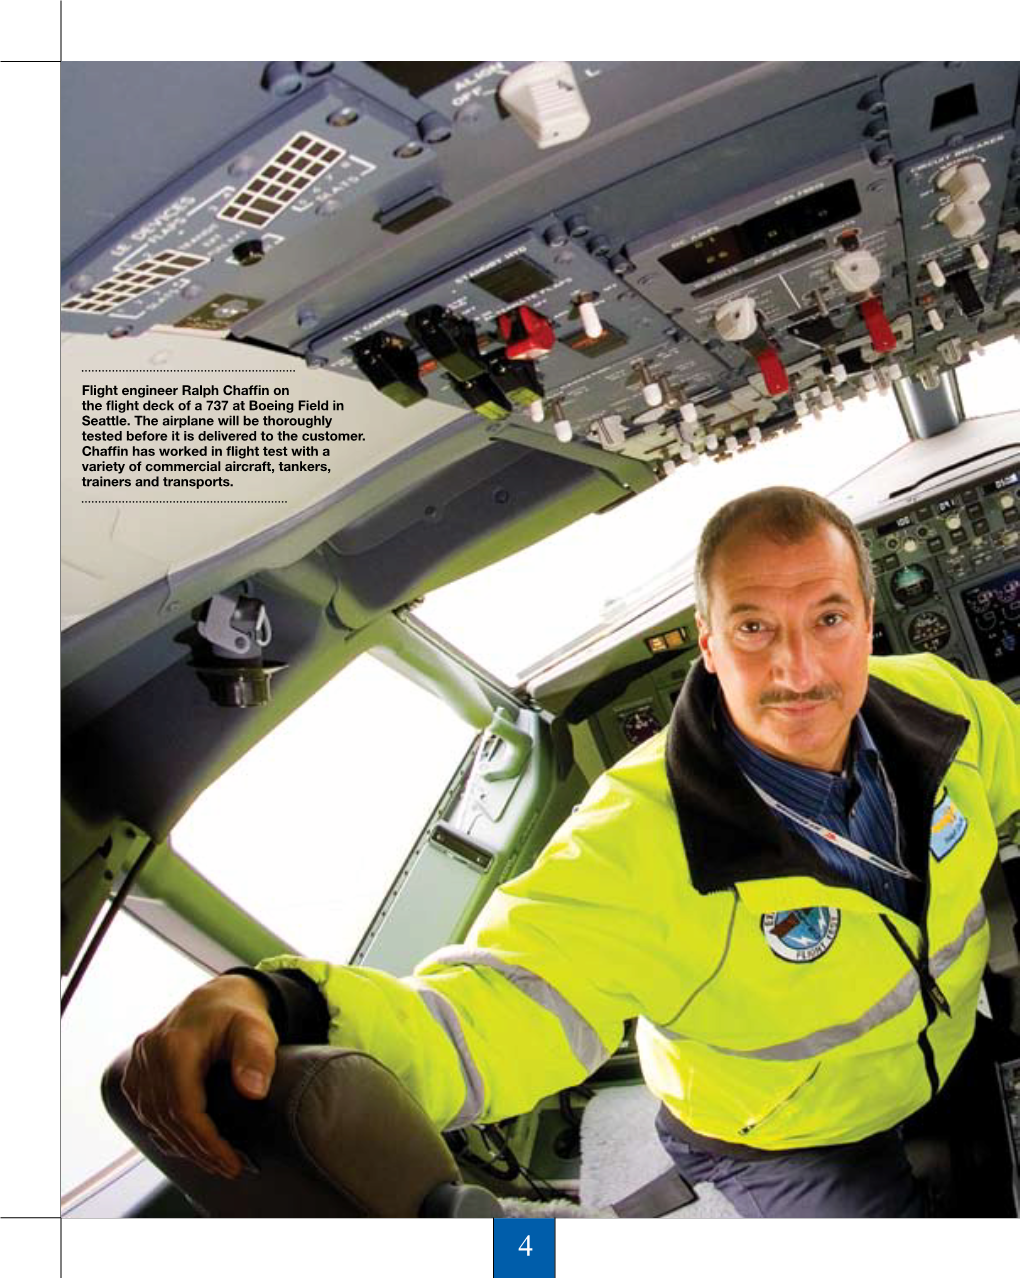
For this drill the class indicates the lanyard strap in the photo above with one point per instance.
(830, 836)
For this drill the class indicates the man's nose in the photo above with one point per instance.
(794, 665)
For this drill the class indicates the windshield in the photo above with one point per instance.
(588, 576)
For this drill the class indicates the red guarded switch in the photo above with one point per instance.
(880, 330)
(527, 334)
(771, 366)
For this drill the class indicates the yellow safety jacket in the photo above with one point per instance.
(778, 1007)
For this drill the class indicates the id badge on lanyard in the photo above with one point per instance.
(830, 836)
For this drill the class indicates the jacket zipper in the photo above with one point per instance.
(932, 998)
(755, 1123)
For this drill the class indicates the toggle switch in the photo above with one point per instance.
(979, 257)
(651, 388)
(737, 321)
(391, 366)
(528, 335)
(587, 313)
(562, 428)
(883, 339)
(935, 273)
(688, 412)
(935, 319)
(771, 367)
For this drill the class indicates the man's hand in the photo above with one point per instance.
(225, 1020)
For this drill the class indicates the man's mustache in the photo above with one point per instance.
(783, 696)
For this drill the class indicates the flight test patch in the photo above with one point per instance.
(801, 936)
(948, 826)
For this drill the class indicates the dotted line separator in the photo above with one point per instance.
(170, 501)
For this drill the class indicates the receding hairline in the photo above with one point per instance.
(785, 516)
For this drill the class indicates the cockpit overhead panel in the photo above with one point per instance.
(680, 262)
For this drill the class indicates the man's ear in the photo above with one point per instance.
(871, 626)
(705, 642)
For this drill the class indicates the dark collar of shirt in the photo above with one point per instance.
(809, 791)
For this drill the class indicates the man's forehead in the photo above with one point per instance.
(750, 563)
(753, 601)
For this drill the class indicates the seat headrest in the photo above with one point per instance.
(338, 1135)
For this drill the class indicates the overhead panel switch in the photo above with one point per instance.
(518, 381)
(968, 182)
(737, 321)
(545, 101)
(527, 334)
(485, 397)
(859, 273)
(390, 365)
(449, 339)
(966, 185)
(883, 339)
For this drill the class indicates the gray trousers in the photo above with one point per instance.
(869, 1178)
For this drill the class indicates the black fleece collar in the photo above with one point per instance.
(730, 836)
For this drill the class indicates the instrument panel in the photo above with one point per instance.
(947, 573)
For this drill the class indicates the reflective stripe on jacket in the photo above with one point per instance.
(777, 1007)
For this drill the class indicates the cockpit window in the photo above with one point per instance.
(134, 981)
(592, 574)
(990, 383)
(309, 829)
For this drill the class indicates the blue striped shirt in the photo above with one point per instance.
(854, 804)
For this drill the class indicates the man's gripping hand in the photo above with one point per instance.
(224, 1020)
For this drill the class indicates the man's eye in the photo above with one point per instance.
(831, 619)
(752, 627)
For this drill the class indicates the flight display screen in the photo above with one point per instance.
(765, 231)
(993, 610)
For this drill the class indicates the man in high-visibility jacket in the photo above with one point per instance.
(785, 887)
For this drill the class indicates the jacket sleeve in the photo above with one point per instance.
(536, 997)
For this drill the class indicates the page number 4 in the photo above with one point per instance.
(526, 1246)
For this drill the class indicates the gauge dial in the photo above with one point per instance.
(640, 724)
(929, 632)
(912, 584)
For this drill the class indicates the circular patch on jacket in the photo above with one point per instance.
(801, 936)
